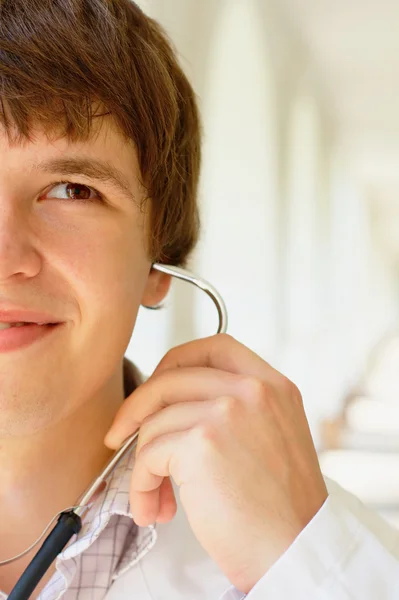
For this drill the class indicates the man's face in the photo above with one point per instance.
(78, 257)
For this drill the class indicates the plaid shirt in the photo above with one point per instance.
(109, 542)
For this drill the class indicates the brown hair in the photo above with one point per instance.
(60, 57)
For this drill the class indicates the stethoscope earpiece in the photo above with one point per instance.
(200, 283)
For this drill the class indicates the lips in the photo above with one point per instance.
(28, 334)
(25, 316)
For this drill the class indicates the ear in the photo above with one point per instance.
(156, 289)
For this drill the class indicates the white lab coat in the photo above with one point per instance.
(347, 552)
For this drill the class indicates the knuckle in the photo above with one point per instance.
(296, 394)
(226, 407)
(168, 358)
(256, 390)
(259, 404)
(287, 387)
(223, 341)
(203, 446)
(226, 337)
(205, 435)
(220, 345)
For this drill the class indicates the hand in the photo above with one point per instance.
(232, 433)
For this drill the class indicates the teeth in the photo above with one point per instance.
(9, 325)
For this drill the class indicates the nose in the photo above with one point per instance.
(18, 256)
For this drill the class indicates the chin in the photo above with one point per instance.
(26, 412)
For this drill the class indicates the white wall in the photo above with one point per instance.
(238, 194)
(288, 235)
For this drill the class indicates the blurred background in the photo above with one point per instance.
(300, 211)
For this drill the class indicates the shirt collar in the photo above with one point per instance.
(114, 500)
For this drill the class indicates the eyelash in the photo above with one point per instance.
(65, 181)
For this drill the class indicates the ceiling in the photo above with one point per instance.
(354, 47)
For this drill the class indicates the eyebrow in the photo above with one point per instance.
(92, 168)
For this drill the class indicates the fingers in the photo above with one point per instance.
(209, 368)
(145, 506)
(220, 352)
(158, 505)
(153, 462)
(224, 353)
(150, 497)
(174, 418)
(167, 502)
(195, 385)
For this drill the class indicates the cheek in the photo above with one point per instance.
(104, 263)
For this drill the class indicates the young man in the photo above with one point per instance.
(100, 153)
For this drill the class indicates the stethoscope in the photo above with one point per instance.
(70, 520)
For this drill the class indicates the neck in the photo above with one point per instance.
(48, 472)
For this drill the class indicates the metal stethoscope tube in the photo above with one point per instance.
(70, 520)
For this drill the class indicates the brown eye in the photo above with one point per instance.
(66, 190)
(75, 191)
